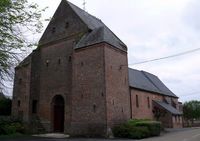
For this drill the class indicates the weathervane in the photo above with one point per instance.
(84, 5)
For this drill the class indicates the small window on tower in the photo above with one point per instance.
(70, 58)
(53, 30)
(47, 63)
(66, 25)
(20, 81)
(59, 61)
(94, 108)
(18, 103)
(34, 106)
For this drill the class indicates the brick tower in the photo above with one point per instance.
(76, 81)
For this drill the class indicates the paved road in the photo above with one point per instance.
(182, 135)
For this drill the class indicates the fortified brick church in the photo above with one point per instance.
(77, 81)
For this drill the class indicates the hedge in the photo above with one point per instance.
(137, 129)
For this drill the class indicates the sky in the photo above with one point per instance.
(152, 29)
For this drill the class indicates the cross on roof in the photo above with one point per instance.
(84, 5)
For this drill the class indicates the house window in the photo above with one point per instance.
(137, 101)
(18, 103)
(148, 102)
(34, 106)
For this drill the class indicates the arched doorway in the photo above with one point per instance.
(58, 113)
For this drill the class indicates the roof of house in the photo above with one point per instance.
(98, 33)
(146, 81)
(168, 107)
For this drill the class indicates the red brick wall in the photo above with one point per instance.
(88, 97)
(55, 79)
(117, 86)
(21, 93)
(143, 111)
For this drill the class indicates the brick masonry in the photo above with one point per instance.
(92, 81)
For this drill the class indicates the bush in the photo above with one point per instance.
(5, 106)
(154, 127)
(128, 131)
(10, 126)
(137, 129)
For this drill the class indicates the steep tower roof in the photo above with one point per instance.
(97, 31)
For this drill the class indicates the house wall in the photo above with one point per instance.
(117, 86)
(88, 96)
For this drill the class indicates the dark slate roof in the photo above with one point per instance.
(168, 107)
(146, 81)
(99, 31)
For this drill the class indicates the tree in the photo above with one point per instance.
(5, 106)
(191, 110)
(17, 19)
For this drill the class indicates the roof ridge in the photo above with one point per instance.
(83, 10)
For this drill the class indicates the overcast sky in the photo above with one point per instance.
(153, 29)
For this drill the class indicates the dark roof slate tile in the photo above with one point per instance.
(148, 82)
(168, 107)
(99, 31)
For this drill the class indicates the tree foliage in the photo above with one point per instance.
(191, 110)
(5, 106)
(17, 18)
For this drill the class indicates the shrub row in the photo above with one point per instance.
(137, 129)
(10, 126)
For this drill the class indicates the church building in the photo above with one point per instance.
(77, 81)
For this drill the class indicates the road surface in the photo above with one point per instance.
(192, 134)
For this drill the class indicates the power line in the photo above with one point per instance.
(194, 93)
(166, 57)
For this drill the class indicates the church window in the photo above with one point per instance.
(53, 30)
(18, 103)
(70, 58)
(148, 102)
(137, 101)
(34, 106)
(94, 108)
(47, 63)
(20, 81)
(82, 64)
(66, 25)
(59, 61)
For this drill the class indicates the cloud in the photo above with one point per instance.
(153, 29)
